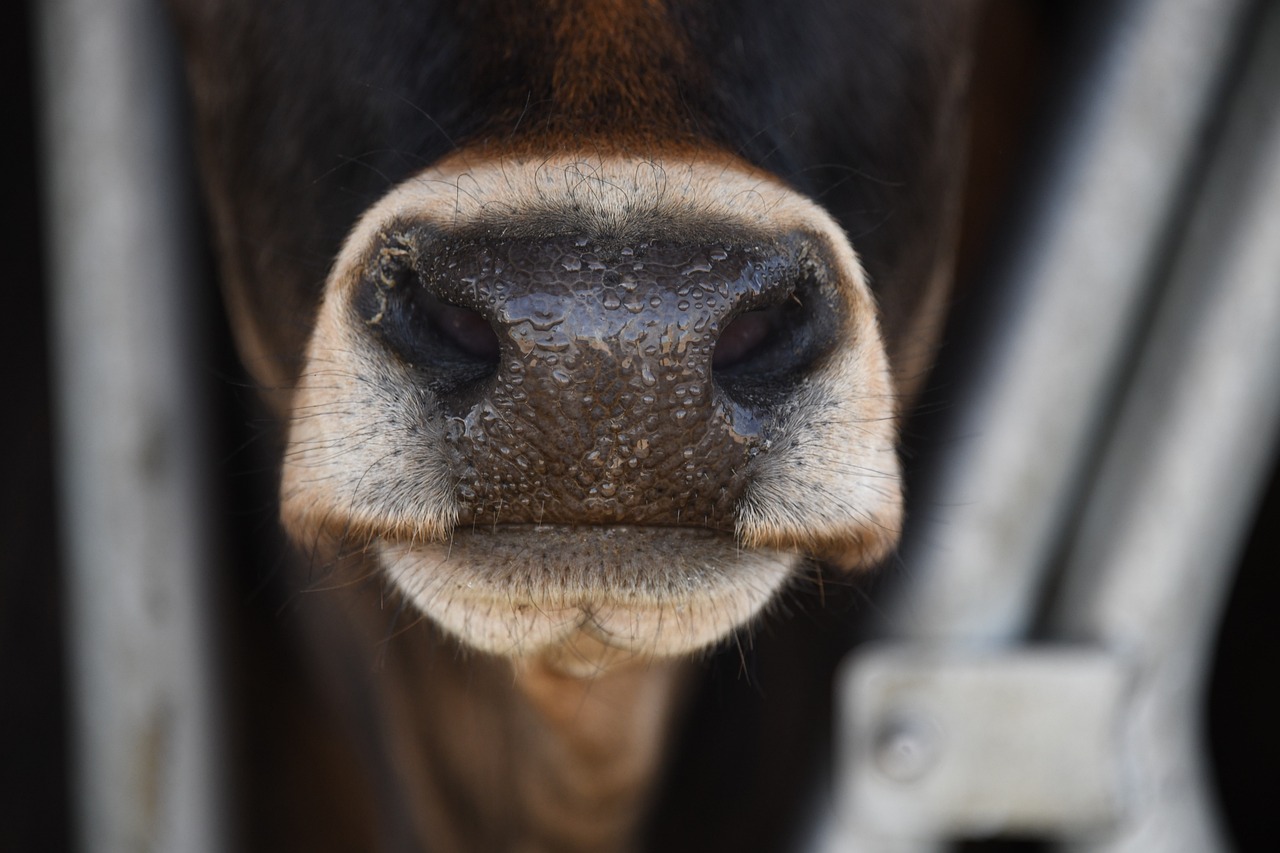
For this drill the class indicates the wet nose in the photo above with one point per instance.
(590, 380)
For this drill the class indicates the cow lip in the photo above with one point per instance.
(547, 555)
(603, 532)
(518, 590)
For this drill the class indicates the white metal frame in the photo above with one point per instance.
(145, 759)
(1107, 454)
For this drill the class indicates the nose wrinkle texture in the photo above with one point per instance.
(603, 409)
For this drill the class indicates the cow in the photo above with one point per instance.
(586, 327)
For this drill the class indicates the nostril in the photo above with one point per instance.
(763, 355)
(433, 334)
(744, 335)
(451, 347)
(466, 329)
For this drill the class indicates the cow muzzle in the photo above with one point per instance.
(595, 396)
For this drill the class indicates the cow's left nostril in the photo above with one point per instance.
(466, 329)
(763, 355)
(744, 335)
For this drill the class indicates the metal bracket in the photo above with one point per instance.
(947, 744)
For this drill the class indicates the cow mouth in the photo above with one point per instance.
(522, 590)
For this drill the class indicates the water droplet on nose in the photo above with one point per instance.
(561, 376)
(611, 301)
(572, 264)
(553, 343)
(608, 489)
(646, 375)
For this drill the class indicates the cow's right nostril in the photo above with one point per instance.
(449, 346)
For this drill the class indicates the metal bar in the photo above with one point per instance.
(1030, 408)
(129, 436)
(944, 744)
(1182, 476)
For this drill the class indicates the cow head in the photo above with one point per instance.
(559, 300)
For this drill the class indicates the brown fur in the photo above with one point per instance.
(530, 703)
(613, 71)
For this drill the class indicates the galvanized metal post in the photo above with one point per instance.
(1033, 419)
(1182, 475)
(129, 434)
(1028, 413)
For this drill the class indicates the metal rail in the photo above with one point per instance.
(1181, 476)
(1150, 274)
(1071, 296)
(129, 445)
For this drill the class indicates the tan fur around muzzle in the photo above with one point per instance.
(365, 463)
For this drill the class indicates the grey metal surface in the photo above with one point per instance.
(145, 769)
(1183, 473)
(956, 744)
(1028, 413)
(1167, 484)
